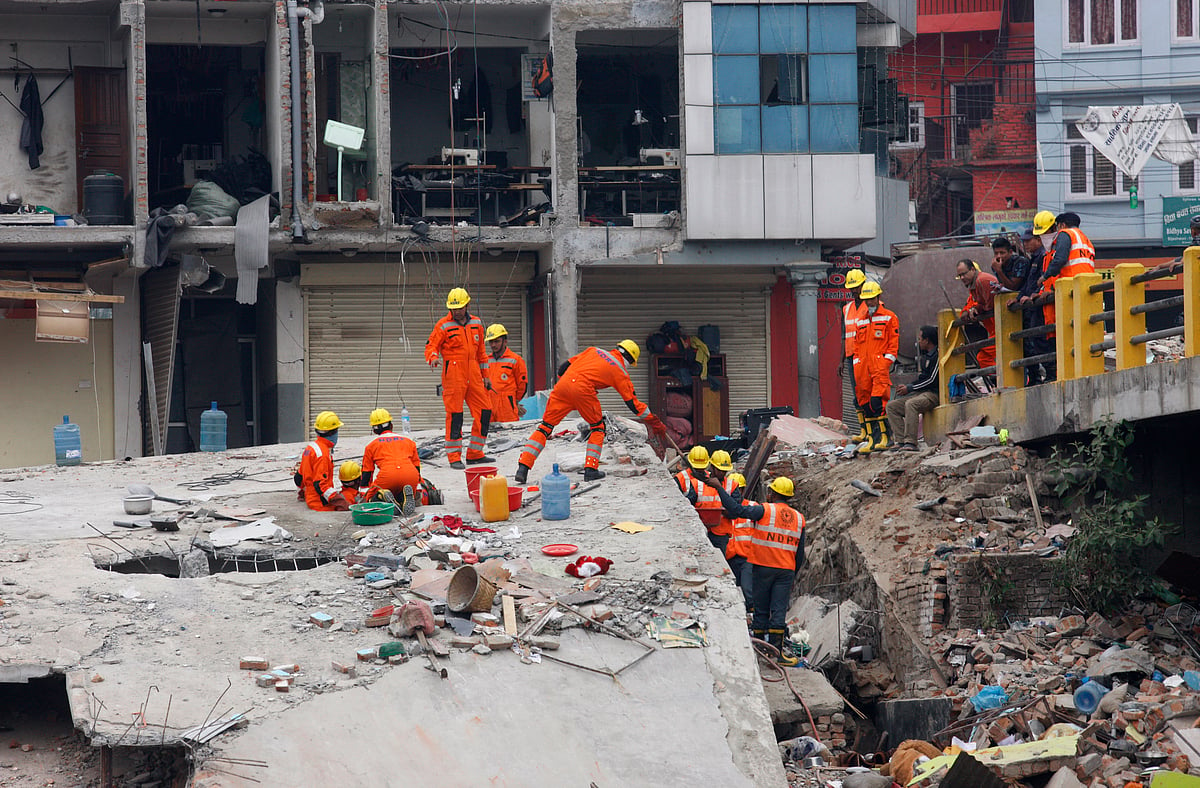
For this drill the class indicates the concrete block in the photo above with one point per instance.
(322, 620)
(265, 680)
(913, 718)
(253, 663)
(821, 697)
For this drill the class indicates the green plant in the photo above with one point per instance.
(1100, 563)
(997, 588)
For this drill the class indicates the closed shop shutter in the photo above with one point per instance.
(366, 351)
(617, 305)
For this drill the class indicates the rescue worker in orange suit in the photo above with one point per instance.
(875, 348)
(390, 465)
(776, 555)
(507, 374)
(1070, 253)
(456, 345)
(579, 378)
(315, 474)
(696, 484)
(350, 475)
(853, 312)
(981, 297)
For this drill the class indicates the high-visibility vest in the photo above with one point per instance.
(725, 526)
(708, 503)
(1081, 259)
(850, 319)
(741, 532)
(775, 537)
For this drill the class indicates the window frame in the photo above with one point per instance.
(1118, 41)
(1120, 181)
(908, 143)
(1194, 37)
(1193, 122)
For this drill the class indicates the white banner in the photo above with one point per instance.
(1129, 135)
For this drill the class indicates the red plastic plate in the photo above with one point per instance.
(560, 550)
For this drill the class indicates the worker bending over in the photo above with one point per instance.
(696, 484)
(506, 372)
(981, 300)
(390, 465)
(350, 475)
(579, 378)
(314, 477)
(776, 555)
(875, 346)
(853, 312)
(456, 345)
(1071, 253)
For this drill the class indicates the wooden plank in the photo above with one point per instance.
(760, 453)
(509, 608)
(1033, 499)
(34, 295)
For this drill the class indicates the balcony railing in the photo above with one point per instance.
(932, 7)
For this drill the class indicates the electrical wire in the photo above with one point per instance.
(222, 479)
(20, 499)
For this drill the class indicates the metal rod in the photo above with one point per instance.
(1101, 287)
(961, 321)
(1032, 333)
(970, 346)
(1097, 347)
(1101, 317)
(1176, 267)
(1033, 361)
(1142, 339)
(1154, 306)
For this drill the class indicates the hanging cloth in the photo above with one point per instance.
(31, 127)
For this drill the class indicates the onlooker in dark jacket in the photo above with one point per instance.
(1037, 346)
(921, 396)
(1010, 267)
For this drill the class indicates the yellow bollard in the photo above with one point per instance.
(948, 363)
(1008, 350)
(1064, 341)
(1125, 325)
(1191, 301)
(1085, 303)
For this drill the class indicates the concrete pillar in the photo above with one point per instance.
(289, 353)
(565, 285)
(805, 278)
(127, 367)
(381, 109)
(566, 126)
(132, 21)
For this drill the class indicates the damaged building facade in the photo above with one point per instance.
(695, 161)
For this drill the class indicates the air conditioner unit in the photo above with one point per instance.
(668, 157)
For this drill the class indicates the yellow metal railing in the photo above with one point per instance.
(1079, 327)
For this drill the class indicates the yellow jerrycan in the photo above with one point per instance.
(493, 499)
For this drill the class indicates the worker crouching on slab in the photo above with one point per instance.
(456, 345)
(776, 553)
(314, 477)
(506, 372)
(391, 466)
(579, 378)
(875, 348)
(350, 475)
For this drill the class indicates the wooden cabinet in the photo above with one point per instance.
(709, 411)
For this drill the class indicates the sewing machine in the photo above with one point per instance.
(668, 157)
(463, 157)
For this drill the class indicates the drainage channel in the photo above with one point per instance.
(199, 562)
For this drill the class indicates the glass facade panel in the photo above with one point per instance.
(784, 129)
(737, 79)
(833, 128)
(737, 130)
(783, 28)
(735, 29)
(833, 79)
(831, 28)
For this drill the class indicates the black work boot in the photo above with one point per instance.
(478, 460)
(592, 474)
(522, 474)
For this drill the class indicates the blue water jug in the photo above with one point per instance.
(68, 444)
(1088, 696)
(556, 496)
(213, 428)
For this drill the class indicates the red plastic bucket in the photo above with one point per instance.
(477, 473)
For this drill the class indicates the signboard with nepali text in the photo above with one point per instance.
(1177, 217)
(1009, 222)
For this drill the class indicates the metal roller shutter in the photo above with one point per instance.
(365, 352)
(611, 310)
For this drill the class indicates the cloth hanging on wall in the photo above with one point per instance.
(31, 127)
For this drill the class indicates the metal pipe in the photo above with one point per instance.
(1176, 267)
(1154, 306)
(1032, 361)
(295, 14)
(1142, 339)
(968, 347)
(1097, 347)
(1101, 317)
(1030, 333)
(1101, 287)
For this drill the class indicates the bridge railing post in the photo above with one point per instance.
(1126, 325)
(1191, 301)
(1085, 303)
(1008, 349)
(949, 363)
(1064, 335)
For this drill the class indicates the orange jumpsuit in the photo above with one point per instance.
(316, 476)
(509, 380)
(391, 462)
(853, 313)
(351, 495)
(461, 350)
(982, 297)
(875, 348)
(589, 372)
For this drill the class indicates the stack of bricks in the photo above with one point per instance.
(835, 731)
(921, 595)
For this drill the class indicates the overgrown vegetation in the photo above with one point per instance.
(1100, 564)
(997, 588)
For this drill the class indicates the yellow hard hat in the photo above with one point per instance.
(349, 471)
(1043, 222)
(380, 416)
(870, 290)
(457, 299)
(736, 479)
(630, 347)
(495, 331)
(698, 457)
(855, 278)
(326, 421)
(783, 485)
(721, 461)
